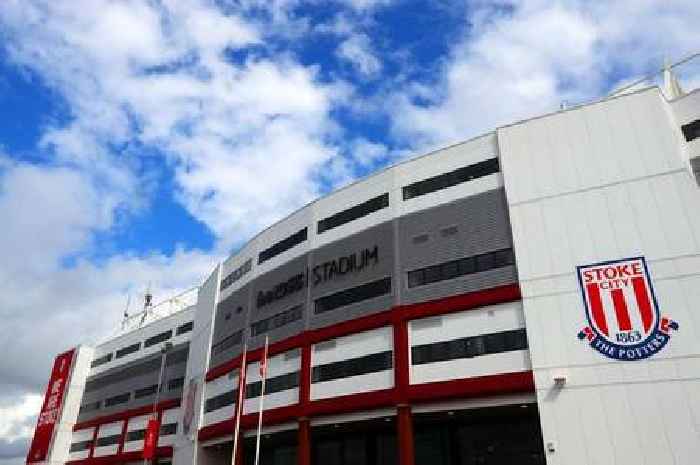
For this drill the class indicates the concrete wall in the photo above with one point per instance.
(604, 182)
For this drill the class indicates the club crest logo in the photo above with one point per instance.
(622, 310)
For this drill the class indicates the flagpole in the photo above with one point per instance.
(263, 373)
(239, 404)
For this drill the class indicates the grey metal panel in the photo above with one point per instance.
(129, 378)
(231, 316)
(467, 227)
(267, 282)
(380, 236)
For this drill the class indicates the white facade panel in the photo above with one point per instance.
(280, 364)
(172, 415)
(631, 195)
(354, 345)
(217, 387)
(80, 436)
(484, 365)
(348, 347)
(109, 429)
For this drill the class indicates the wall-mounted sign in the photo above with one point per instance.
(281, 290)
(622, 310)
(51, 409)
(352, 263)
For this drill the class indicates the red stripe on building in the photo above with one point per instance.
(597, 307)
(643, 301)
(621, 311)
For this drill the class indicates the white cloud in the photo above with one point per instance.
(522, 58)
(16, 420)
(357, 50)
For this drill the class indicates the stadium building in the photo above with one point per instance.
(529, 296)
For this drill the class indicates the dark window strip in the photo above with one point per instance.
(272, 385)
(353, 213)
(136, 435)
(101, 361)
(92, 406)
(282, 246)
(137, 369)
(236, 274)
(168, 429)
(144, 392)
(352, 367)
(691, 131)
(186, 328)
(445, 180)
(116, 400)
(461, 267)
(164, 336)
(176, 383)
(353, 295)
(108, 440)
(277, 321)
(128, 350)
(220, 401)
(468, 347)
(80, 446)
(228, 342)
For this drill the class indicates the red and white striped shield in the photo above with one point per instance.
(622, 310)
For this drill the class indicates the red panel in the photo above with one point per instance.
(50, 413)
(165, 405)
(118, 459)
(506, 383)
(304, 442)
(401, 362)
(150, 439)
(404, 435)
(496, 295)
(305, 376)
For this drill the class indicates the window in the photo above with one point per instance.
(176, 383)
(149, 365)
(108, 440)
(128, 350)
(116, 400)
(277, 321)
(101, 361)
(462, 267)
(220, 401)
(91, 407)
(353, 295)
(352, 367)
(80, 446)
(136, 435)
(158, 338)
(468, 347)
(168, 429)
(420, 239)
(272, 385)
(186, 328)
(353, 213)
(144, 392)
(691, 131)
(282, 246)
(228, 342)
(236, 274)
(445, 180)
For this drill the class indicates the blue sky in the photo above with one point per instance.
(143, 141)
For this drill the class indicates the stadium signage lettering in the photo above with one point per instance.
(340, 266)
(282, 290)
(326, 271)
